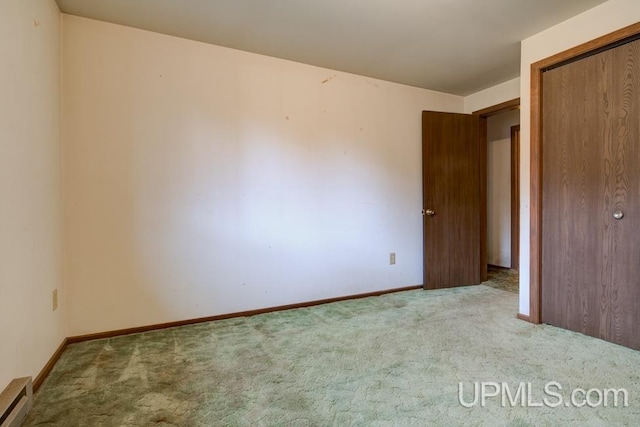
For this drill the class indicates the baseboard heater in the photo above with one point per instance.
(15, 402)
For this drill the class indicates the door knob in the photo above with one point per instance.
(429, 212)
(618, 214)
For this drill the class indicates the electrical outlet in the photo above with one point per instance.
(392, 258)
(55, 299)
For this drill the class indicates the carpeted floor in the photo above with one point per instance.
(395, 360)
(503, 278)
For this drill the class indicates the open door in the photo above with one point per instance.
(452, 199)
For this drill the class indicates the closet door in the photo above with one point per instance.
(591, 162)
(624, 294)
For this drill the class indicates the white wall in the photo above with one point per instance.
(499, 187)
(596, 22)
(201, 180)
(495, 95)
(30, 197)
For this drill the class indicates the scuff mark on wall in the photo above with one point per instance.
(328, 79)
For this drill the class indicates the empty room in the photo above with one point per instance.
(330, 213)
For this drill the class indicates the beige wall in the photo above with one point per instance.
(30, 196)
(495, 95)
(499, 187)
(201, 180)
(596, 22)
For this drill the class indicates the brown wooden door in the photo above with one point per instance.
(451, 159)
(591, 158)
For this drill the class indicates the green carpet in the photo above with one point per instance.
(394, 360)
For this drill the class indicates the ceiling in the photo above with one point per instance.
(454, 46)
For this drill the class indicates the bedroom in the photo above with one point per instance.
(141, 211)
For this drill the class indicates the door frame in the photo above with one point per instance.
(536, 227)
(485, 113)
(515, 197)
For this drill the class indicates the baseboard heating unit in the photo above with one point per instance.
(15, 402)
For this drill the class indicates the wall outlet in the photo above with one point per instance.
(55, 299)
(392, 258)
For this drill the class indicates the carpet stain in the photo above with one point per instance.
(135, 369)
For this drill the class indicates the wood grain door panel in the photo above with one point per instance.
(451, 188)
(625, 196)
(591, 261)
(573, 216)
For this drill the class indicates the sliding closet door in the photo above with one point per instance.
(576, 264)
(625, 196)
(591, 196)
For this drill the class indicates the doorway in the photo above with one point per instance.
(503, 202)
(454, 209)
(502, 190)
(500, 130)
(503, 232)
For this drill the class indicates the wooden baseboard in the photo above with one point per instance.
(50, 364)
(128, 331)
(110, 334)
(524, 317)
